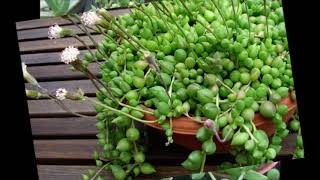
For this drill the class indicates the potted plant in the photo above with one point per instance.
(211, 74)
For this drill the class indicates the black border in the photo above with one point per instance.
(19, 149)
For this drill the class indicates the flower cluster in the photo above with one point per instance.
(90, 18)
(61, 93)
(55, 32)
(70, 54)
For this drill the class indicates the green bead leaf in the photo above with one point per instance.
(59, 7)
(198, 176)
(118, 172)
(209, 147)
(147, 168)
(253, 175)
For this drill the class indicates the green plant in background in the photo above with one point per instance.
(116, 3)
(62, 7)
(59, 7)
(215, 59)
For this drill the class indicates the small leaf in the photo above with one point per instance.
(59, 7)
(118, 172)
(253, 175)
(198, 175)
(147, 168)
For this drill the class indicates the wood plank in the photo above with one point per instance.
(43, 22)
(56, 44)
(47, 58)
(54, 172)
(60, 72)
(64, 151)
(49, 108)
(64, 127)
(70, 85)
(42, 33)
(46, 22)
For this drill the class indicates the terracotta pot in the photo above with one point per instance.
(185, 129)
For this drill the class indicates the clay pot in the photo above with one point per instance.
(185, 129)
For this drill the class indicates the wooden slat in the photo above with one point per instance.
(64, 149)
(60, 72)
(70, 85)
(49, 108)
(43, 22)
(56, 44)
(64, 127)
(46, 22)
(54, 172)
(79, 151)
(47, 58)
(42, 33)
(54, 150)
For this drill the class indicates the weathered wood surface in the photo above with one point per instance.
(42, 33)
(81, 149)
(48, 45)
(49, 108)
(70, 85)
(54, 172)
(46, 58)
(60, 72)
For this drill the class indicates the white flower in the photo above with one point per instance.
(90, 18)
(69, 54)
(55, 32)
(61, 93)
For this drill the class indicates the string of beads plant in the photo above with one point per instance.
(216, 62)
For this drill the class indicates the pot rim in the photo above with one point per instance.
(182, 131)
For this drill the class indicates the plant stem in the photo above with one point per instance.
(224, 21)
(186, 114)
(222, 114)
(97, 173)
(211, 176)
(234, 13)
(134, 143)
(85, 30)
(225, 138)
(217, 102)
(241, 175)
(169, 15)
(226, 86)
(107, 131)
(265, 11)
(170, 90)
(134, 108)
(129, 36)
(120, 112)
(106, 35)
(216, 132)
(87, 47)
(246, 6)
(203, 161)
(80, 40)
(250, 134)
(253, 126)
(148, 16)
(166, 23)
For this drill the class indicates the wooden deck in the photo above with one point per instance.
(64, 143)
